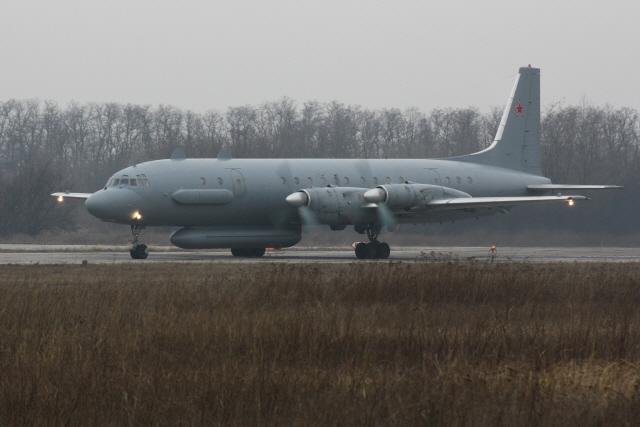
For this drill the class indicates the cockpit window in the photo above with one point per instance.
(139, 180)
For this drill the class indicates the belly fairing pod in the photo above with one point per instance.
(234, 237)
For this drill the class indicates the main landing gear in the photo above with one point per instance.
(248, 252)
(137, 251)
(374, 249)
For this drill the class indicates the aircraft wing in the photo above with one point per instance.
(557, 187)
(62, 196)
(490, 202)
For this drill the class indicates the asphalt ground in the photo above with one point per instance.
(74, 254)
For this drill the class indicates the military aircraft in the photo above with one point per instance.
(248, 205)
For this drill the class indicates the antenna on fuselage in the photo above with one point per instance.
(225, 154)
(178, 154)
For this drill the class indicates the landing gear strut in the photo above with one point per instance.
(137, 251)
(374, 249)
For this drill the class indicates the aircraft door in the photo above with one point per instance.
(239, 186)
(433, 177)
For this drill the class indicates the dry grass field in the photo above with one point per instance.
(361, 344)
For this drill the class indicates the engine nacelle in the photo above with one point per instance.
(234, 237)
(338, 206)
(332, 205)
(407, 196)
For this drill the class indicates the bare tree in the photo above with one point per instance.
(84, 144)
(27, 206)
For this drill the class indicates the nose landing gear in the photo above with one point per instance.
(137, 251)
(374, 249)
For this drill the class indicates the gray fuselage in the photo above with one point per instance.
(259, 188)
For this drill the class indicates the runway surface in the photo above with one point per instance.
(73, 254)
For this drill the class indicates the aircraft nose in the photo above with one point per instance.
(115, 205)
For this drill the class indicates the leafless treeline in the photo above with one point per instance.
(81, 145)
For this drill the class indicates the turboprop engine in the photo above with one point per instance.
(410, 196)
(341, 206)
(336, 206)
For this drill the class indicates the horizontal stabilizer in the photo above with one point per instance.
(72, 195)
(558, 187)
(490, 202)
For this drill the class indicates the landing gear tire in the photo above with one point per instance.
(139, 252)
(374, 249)
(248, 252)
(384, 251)
(258, 252)
(362, 250)
(237, 252)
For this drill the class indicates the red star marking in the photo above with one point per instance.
(519, 107)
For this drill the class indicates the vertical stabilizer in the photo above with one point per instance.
(517, 142)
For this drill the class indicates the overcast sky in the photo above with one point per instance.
(213, 54)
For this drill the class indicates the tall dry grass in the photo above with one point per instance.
(361, 344)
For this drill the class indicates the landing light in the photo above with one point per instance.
(137, 215)
(60, 199)
(571, 202)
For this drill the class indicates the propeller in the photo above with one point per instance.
(386, 217)
(379, 197)
(310, 223)
(300, 200)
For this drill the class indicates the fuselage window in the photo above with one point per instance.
(458, 179)
(324, 180)
(336, 180)
(282, 178)
(346, 180)
(388, 180)
(220, 181)
(448, 180)
(124, 180)
(145, 181)
(309, 180)
(296, 180)
(362, 180)
(375, 180)
(470, 180)
(401, 180)
(203, 181)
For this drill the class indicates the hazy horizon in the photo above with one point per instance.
(198, 55)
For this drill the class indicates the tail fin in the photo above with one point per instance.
(517, 142)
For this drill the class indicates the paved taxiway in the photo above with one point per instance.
(54, 254)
